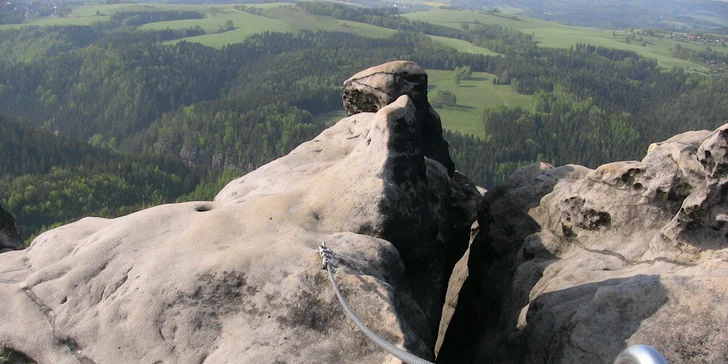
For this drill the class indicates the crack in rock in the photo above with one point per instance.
(630, 261)
(50, 316)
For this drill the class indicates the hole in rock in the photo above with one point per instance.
(567, 231)
(64, 300)
(704, 162)
(203, 208)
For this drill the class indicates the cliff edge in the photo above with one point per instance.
(560, 265)
(572, 265)
(239, 279)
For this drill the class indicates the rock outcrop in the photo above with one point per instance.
(11, 234)
(238, 279)
(564, 265)
(371, 89)
(572, 265)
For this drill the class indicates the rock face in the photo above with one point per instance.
(564, 265)
(238, 279)
(11, 234)
(572, 265)
(371, 89)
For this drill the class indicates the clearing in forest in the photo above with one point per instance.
(473, 96)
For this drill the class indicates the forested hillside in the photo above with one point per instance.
(48, 178)
(108, 118)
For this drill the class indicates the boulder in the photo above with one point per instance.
(375, 87)
(239, 279)
(573, 267)
(378, 86)
(11, 234)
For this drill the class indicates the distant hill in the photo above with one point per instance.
(664, 14)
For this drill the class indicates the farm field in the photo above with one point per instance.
(463, 46)
(274, 19)
(562, 36)
(473, 96)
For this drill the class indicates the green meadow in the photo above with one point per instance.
(473, 96)
(331, 117)
(274, 19)
(562, 36)
(463, 46)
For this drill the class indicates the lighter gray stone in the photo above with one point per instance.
(238, 279)
(582, 265)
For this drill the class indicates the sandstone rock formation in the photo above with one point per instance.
(572, 265)
(565, 264)
(371, 89)
(11, 234)
(238, 279)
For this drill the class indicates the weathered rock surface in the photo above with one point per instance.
(572, 265)
(371, 89)
(239, 279)
(11, 234)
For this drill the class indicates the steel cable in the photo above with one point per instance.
(403, 355)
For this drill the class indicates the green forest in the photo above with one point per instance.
(106, 119)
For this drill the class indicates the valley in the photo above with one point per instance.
(226, 88)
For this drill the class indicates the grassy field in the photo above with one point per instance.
(472, 97)
(245, 25)
(463, 46)
(329, 118)
(87, 14)
(563, 36)
(276, 19)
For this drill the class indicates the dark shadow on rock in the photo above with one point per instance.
(10, 356)
(485, 300)
(588, 323)
(422, 207)
(11, 233)
(425, 210)
(407, 217)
